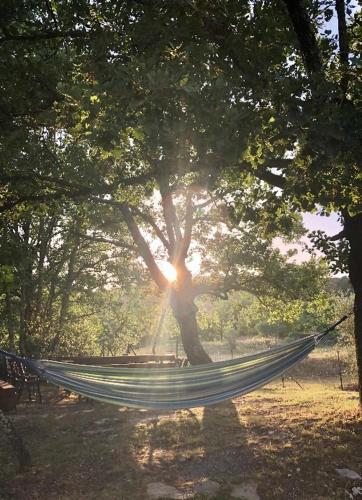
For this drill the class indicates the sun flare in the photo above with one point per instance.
(168, 270)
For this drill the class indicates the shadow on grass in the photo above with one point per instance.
(226, 452)
(192, 445)
(288, 441)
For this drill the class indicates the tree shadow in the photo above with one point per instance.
(199, 443)
(107, 451)
(225, 448)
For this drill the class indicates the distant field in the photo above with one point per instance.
(321, 363)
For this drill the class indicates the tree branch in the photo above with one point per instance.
(204, 204)
(101, 239)
(264, 174)
(270, 178)
(338, 236)
(343, 43)
(136, 211)
(218, 289)
(150, 220)
(143, 247)
(306, 37)
(43, 35)
(139, 240)
(166, 201)
(189, 220)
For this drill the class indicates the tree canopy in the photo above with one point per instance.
(207, 126)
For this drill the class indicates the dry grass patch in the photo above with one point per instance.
(289, 441)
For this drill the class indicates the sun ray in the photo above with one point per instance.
(168, 270)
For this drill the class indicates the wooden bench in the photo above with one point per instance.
(8, 396)
(125, 361)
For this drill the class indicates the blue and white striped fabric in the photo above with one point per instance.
(172, 388)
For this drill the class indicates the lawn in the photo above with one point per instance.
(278, 443)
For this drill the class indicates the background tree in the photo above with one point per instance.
(50, 271)
(308, 144)
(221, 90)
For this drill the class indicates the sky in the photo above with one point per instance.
(330, 225)
(312, 222)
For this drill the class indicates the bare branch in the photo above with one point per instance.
(166, 201)
(338, 236)
(186, 240)
(136, 211)
(101, 239)
(263, 173)
(143, 247)
(270, 178)
(150, 220)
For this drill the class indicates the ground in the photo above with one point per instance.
(286, 441)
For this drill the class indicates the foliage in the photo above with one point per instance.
(49, 276)
(206, 126)
(243, 315)
(125, 318)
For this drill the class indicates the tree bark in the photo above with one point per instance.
(343, 43)
(306, 37)
(313, 63)
(10, 320)
(353, 232)
(184, 310)
(26, 290)
(66, 293)
(182, 293)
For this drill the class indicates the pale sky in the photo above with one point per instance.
(312, 222)
(330, 225)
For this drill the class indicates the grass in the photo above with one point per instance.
(287, 440)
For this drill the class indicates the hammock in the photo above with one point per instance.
(174, 388)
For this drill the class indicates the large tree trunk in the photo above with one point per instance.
(184, 310)
(353, 231)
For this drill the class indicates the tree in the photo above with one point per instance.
(50, 270)
(288, 101)
(221, 93)
(323, 118)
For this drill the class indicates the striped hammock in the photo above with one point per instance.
(173, 388)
